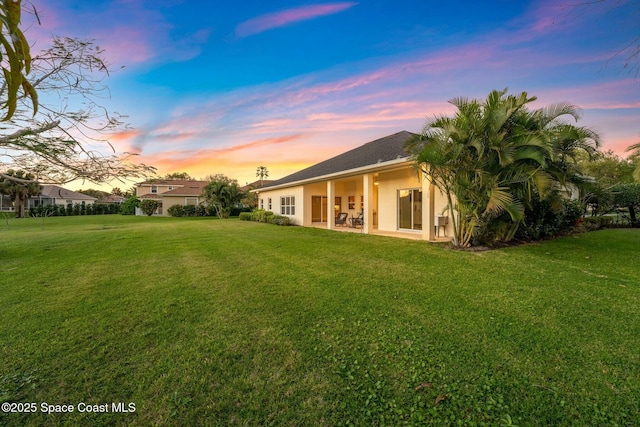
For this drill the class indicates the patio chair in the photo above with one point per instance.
(341, 219)
(357, 220)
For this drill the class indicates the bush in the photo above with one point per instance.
(543, 220)
(238, 211)
(148, 207)
(260, 215)
(129, 206)
(189, 210)
(176, 210)
(597, 222)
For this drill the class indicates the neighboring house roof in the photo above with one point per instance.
(181, 188)
(58, 192)
(168, 182)
(112, 198)
(190, 188)
(381, 150)
(256, 184)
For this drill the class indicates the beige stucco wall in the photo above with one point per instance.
(146, 189)
(297, 192)
(388, 185)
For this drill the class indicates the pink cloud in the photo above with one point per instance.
(285, 17)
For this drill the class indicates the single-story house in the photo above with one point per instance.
(169, 192)
(376, 185)
(56, 195)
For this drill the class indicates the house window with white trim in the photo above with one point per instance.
(269, 203)
(261, 203)
(288, 205)
(190, 201)
(154, 189)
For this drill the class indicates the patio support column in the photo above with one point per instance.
(428, 208)
(331, 191)
(367, 192)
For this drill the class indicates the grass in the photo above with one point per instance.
(209, 322)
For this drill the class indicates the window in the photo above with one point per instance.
(351, 202)
(261, 203)
(362, 203)
(269, 203)
(191, 201)
(288, 205)
(170, 188)
(154, 189)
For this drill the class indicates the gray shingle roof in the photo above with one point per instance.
(381, 150)
(58, 192)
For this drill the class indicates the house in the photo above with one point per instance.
(169, 192)
(377, 185)
(51, 195)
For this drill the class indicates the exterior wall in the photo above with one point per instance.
(297, 192)
(388, 185)
(380, 203)
(146, 189)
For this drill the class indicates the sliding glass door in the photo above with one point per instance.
(410, 209)
(318, 209)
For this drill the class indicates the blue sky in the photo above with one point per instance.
(223, 87)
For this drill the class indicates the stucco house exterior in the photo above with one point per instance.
(169, 192)
(377, 185)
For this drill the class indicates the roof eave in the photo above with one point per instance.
(376, 167)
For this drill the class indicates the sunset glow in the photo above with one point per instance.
(211, 87)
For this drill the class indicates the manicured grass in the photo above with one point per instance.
(209, 322)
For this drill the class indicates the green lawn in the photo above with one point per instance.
(209, 322)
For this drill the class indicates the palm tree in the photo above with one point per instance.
(20, 189)
(262, 173)
(493, 157)
(223, 195)
(635, 157)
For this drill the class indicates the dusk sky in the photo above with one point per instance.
(224, 87)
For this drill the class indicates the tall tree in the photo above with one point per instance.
(20, 188)
(262, 172)
(178, 175)
(222, 194)
(493, 156)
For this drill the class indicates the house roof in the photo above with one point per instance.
(375, 152)
(161, 181)
(58, 192)
(256, 184)
(190, 188)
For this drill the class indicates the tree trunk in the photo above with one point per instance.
(18, 206)
(632, 214)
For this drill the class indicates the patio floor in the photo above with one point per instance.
(399, 234)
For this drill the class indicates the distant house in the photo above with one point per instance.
(256, 184)
(375, 187)
(56, 195)
(169, 192)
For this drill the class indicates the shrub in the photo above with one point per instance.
(543, 220)
(279, 220)
(189, 210)
(260, 215)
(148, 207)
(128, 207)
(176, 210)
(597, 222)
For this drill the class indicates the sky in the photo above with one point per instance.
(214, 87)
